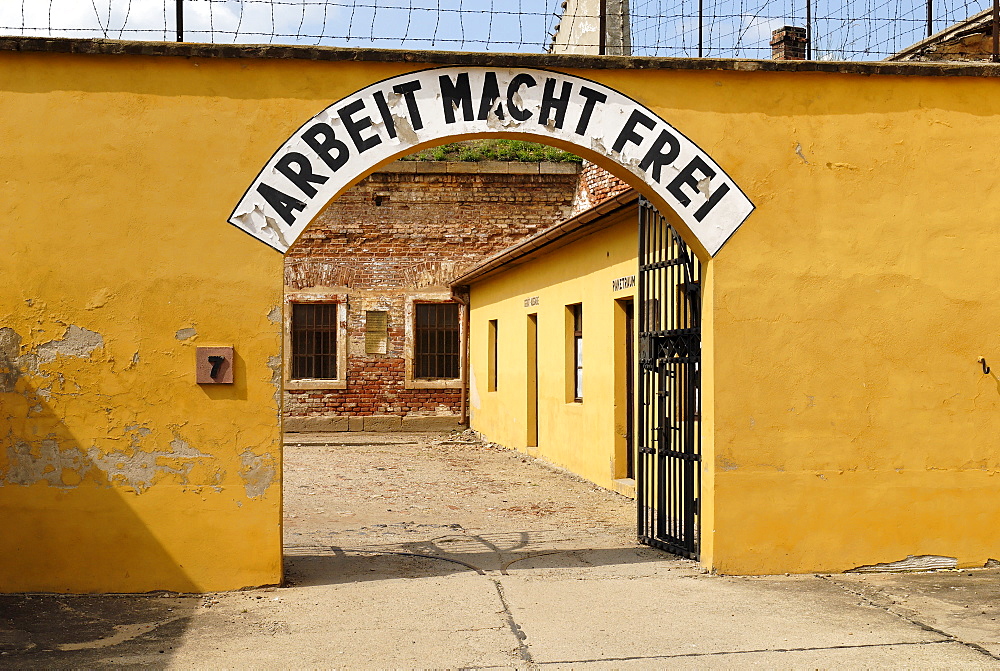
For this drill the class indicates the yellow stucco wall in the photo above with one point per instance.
(585, 437)
(853, 423)
(849, 421)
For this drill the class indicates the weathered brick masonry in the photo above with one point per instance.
(398, 236)
(596, 186)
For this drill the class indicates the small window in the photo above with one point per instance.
(314, 341)
(436, 351)
(376, 332)
(492, 344)
(577, 372)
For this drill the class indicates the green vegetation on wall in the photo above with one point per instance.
(494, 150)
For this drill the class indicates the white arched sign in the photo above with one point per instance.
(355, 134)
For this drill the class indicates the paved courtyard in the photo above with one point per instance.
(431, 550)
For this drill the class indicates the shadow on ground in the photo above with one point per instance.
(503, 553)
(61, 631)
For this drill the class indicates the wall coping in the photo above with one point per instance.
(483, 167)
(315, 53)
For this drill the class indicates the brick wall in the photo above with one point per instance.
(596, 186)
(399, 236)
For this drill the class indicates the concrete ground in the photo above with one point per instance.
(429, 550)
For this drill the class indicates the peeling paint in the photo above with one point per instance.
(99, 300)
(66, 467)
(138, 428)
(274, 363)
(911, 563)
(274, 316)
(705, 187)
(46, 462)
(76, 342)
(139, 470)
(404, 130)
(186, 333)
(798, 152)
(10, 348)
(258, 472)
(259, 225)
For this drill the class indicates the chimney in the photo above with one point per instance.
(789, 44)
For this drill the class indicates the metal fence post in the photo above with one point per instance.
(996, 31)
(809, 31)
(930, 17)
(701, 28)
(180, 20)
(602, 40)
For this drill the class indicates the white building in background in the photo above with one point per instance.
(579, 31)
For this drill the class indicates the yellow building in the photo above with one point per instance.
(563, 369)
(550, 347)
(842, 214)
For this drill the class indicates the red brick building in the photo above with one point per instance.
(374, 338)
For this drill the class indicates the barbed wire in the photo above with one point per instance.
(839, 29)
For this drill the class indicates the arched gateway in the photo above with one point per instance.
(848, 418)
(396, 116)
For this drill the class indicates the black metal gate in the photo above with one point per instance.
(668, 473)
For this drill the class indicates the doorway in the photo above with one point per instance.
(532, 378)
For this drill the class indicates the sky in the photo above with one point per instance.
(843, 29)
(468, 25)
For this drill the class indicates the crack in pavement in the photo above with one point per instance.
(741, 652)
(917, 623)
(522, 646)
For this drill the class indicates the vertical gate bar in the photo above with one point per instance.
(671, 372)
(697, 414)
(646, 503)
(661, 476)
(650, 380)
(666, 463)
(675, 502)
(653, 382)
(640, 491)
(653, 477)
(651, 290)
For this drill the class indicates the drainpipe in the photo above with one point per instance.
(464, 300)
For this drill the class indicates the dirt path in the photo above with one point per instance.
(441, 495)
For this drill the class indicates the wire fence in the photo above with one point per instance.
(838, 29)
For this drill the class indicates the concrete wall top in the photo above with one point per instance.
(316, 53)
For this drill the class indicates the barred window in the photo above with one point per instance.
(314, 341)
(436, 351)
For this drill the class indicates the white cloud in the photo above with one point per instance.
(204, 20)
